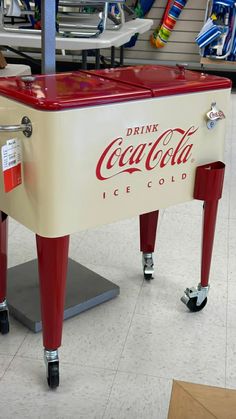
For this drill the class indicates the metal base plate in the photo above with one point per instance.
(85, 289)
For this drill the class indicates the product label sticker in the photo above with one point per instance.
(11, 164)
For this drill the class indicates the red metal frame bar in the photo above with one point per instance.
(52, 266)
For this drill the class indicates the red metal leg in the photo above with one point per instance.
(208, 187)
(52, 265)
(148, 227)
(3, 255)
(209, 222)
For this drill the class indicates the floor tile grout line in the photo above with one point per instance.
(14, 356)
(228, 255)
(4, 373)
(122, 350)
(102, 369)
(26, 335)
(131, 321)
(227, 301)
(167, 379)
(162, 377)
(81, 365)
(109, 395)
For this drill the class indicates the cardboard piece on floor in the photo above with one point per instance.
(197, 401)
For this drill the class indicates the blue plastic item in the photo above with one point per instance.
(217, 37)
(209, 36)
(226, 3)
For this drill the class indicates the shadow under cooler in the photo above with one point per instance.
(83, 149)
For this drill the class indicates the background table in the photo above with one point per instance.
(108, 39)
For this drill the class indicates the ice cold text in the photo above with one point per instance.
(128, 189)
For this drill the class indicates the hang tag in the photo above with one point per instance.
(11, 164)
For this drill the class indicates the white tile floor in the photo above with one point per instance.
(118, 360)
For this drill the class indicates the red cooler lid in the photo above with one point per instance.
(164, 81)
(68, 90)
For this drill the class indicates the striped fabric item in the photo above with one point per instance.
(168, 24)
(207, 37)
(217, 37)
(227, 3)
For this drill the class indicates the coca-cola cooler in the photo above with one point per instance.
(83, 149)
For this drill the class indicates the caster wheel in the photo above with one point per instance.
(148, 266)
(4, 322)
(148, 277)
(53, 374)
(192, 304)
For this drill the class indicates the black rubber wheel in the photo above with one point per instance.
(53, 374)
(148, 277)
(192, 304)
(4, 322)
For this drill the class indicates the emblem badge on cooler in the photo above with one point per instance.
(213, 116)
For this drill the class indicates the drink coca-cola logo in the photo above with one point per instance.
(172, 147)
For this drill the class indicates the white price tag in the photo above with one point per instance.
(11, 154)
(11, 163)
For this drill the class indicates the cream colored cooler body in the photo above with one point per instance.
(94, 165)
(105, 147)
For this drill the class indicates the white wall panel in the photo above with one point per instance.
(181, 45)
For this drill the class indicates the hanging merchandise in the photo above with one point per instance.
(217, 37)
(161, 35)
(35, 19)
(209, 33)
(141, 9)
(157, 30)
